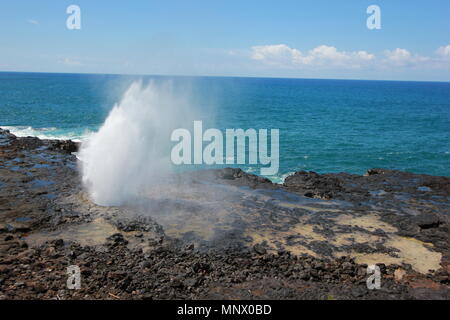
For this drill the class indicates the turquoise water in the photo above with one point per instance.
(325, 125)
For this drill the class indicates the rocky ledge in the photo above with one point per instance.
(219, 234)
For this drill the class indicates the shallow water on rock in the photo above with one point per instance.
(209, 213)
(38, 183)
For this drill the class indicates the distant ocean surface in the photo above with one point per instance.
(325, 125)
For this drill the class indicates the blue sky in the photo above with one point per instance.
(304, 39)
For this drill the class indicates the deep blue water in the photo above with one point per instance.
(325, 125)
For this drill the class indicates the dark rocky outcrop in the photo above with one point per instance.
(68, 146)
(310, 238)
(313, 185)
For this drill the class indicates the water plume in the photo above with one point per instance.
(131, 150)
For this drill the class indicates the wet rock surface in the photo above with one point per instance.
(219, 234)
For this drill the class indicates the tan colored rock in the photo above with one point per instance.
(399, 274)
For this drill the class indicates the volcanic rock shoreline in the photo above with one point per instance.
(310, 238)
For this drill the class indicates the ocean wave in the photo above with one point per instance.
(277, 178)
(47, 133)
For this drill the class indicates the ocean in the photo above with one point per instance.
(325, 125)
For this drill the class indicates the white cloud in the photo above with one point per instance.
(398, 54)
(284, 56)
(402, 57)
(70, 62)
(326, 55)
(33, 21)
(444, 51)
(278, 54)
(329, 57)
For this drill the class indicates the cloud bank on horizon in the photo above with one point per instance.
(325, 57)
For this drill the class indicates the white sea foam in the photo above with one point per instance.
(132, 148)
(280, 177)
(44, 133)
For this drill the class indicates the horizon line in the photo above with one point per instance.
(216, 76)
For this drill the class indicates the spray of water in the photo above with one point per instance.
(132, 148)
